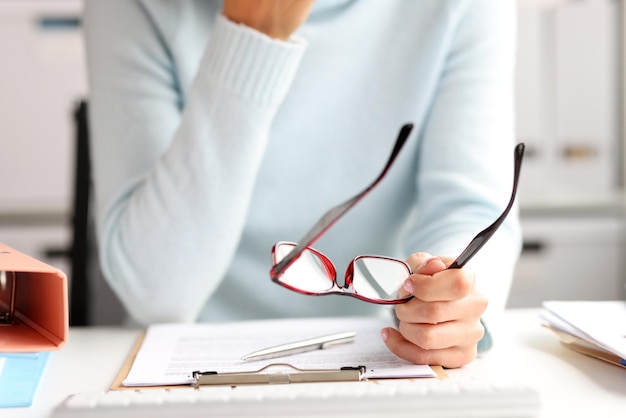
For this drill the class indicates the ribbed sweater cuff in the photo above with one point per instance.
(250, 63)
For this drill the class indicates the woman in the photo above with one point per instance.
(220, 128)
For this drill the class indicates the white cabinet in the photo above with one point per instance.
(41, 76)
(568, 113)
(570, 258)
(568, 94)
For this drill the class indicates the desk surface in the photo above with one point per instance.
(570, 384)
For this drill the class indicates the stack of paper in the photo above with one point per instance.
(594, 328)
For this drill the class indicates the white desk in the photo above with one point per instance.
(570, 384)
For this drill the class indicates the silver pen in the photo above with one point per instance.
(311, 344)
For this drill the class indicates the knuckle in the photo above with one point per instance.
(427, 338)
(479, 332)
(433, 312)
(403, 312)
(463, 285)
(479, 304)
(420, 335)
(460, 357)
(468, 355)
(483, 303)
(422, 357)
(416, 259)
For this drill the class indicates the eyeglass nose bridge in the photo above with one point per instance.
(324, 265)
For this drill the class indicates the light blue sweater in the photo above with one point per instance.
(211, 142)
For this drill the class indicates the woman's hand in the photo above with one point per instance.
(441, 324)
(275, 18)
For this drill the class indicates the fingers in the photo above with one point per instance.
(422, 263)
(417, 311)
(276, 18)
(440, 325)
(435, 283)
(425, 263)
(442, 335)
(451, 356)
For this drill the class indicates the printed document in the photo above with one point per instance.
(599, 322)
(170, 353)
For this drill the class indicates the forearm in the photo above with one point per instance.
(173, 188)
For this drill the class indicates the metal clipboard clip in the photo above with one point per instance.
(293, 375)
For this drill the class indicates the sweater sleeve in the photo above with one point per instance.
(465, 169)
(174, 175)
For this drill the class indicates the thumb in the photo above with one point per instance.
(431, 266)
(425, 263)
(421, 263)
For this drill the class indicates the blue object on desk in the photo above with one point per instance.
(486, 342)
(20, 374)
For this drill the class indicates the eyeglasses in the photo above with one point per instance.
(371, 278)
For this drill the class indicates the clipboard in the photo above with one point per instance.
(294, 375)
(234, 379)
(33, 304)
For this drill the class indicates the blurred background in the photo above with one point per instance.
(571, 90)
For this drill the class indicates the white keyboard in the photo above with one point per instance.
(382, 398)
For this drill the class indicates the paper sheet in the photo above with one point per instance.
(170, 353)
(600, 322)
